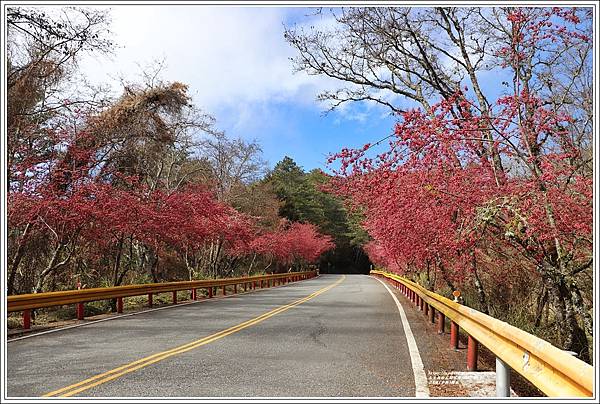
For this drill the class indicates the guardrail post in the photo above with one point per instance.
(149, 299)
(454, 335)
(502, 379)
(26, 319)
(245, 286)
(193, 292)
(119, 305)
(426, 306)
(253, 285)
(80, 311)
(472, 351)
(175, 297)
(431, 315)
(441, 323)
(210, 292)
(421, 303)
(235, 288)
(224, 290)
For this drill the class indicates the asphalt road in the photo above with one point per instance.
(345, 341)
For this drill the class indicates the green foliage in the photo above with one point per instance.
(303, 199)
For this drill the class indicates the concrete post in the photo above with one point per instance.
(502, 379)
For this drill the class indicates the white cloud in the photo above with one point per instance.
(228, 55)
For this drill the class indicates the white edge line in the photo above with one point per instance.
(171, 306)
(421, 386)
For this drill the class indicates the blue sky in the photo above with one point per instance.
(237, 65)
(236, 62)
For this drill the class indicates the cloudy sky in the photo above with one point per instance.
(237, 65)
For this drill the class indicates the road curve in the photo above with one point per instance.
(331, 336)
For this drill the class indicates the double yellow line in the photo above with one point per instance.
(149, 360)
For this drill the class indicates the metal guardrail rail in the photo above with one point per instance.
(555, 372)
(27, 302)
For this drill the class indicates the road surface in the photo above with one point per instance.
(331, 336)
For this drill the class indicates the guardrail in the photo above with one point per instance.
(555, 372)
(26, 303)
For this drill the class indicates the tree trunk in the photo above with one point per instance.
(17, 260)
(117, 264)
(52, 265)
(189, 266)
(153, 269)
(445, 276)
(541, 303)
(571, 336)
(483, 303)
(113, 302)
(251, 264)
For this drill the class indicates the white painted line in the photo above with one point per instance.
(421, 386)
(172, 306)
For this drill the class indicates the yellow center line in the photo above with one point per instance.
(141, 363)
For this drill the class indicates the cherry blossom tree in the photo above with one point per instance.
(438, 197)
